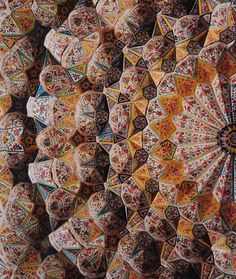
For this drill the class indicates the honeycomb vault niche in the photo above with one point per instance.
(117, 139)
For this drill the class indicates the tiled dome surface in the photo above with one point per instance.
(117, 139)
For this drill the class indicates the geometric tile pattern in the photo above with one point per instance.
(118, 139)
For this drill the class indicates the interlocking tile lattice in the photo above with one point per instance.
(117, 139)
